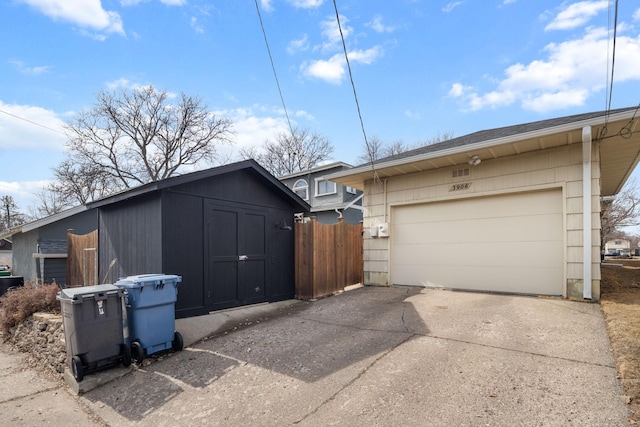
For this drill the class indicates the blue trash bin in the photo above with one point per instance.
(150, 300)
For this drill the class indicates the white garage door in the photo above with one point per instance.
(509, 243)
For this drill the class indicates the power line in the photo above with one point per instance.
(609, 95)
(266, 42)
(32, 122)
(355, 94)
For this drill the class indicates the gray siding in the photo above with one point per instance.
(24, 246)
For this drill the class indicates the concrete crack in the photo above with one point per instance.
(348, 384)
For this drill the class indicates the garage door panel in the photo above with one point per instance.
(523, 204)
(511, 243)
(480, 230)
(508, 279)
(532, 254)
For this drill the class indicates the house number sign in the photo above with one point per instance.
(459, 187)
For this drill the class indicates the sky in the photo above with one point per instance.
(421, 68)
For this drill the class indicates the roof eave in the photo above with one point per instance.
(370, 168)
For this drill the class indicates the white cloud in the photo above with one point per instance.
(24, 127)
(24, 193)
(330, 70)
(367, 56)
(306, 4)
(333, 69)
(636, 15)
(252, 126)
(331, 32)
(378, 26)
(449, 7)
(197, 27)
(84, 13)
(266, 5)
(174, 2)
(25, 69)
(569, 74)
(412, 115)
(577, 14)
(298, 45)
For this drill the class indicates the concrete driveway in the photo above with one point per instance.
(382, 357)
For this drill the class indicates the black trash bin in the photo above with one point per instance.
(8, 283)
(92, 318)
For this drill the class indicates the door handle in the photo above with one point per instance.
(243, 258)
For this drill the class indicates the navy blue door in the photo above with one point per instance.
(235, 256)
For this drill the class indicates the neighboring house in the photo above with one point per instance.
(329, 201)
(6, 253)
(40, 247)
(498, 210)
(619, 246)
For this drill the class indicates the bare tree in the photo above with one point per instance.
(379, 150)
(49, 203)
(436, 139)
(131, 137)
(291, 152)
(620, 212)
(10, 215)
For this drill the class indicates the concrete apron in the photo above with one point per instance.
(385, 356)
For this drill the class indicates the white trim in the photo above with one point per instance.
(305, 188)
(318, 193)
(567, 127)
(586, 212)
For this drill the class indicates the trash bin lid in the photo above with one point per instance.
(88, 291)
(132, 282)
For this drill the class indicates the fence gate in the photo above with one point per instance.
(82, 259)
(327, 258)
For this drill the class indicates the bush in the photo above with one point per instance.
(20, 304)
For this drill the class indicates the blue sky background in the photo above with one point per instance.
(421, 67)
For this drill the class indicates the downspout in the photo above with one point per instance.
(586, 213)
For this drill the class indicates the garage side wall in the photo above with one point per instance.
(553, 168)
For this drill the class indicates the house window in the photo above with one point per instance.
(324, 187)
(301, 188)
(351, 190)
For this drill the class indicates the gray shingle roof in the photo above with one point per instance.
(489, 134)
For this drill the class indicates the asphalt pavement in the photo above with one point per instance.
(369, 357)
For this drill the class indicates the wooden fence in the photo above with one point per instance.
(82, 259)
(327, 258)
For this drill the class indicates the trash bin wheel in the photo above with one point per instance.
(126, 355)
(177, 343)
(76, 368)
(137, 352)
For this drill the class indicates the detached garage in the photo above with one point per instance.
(500, 210)
(228, 231)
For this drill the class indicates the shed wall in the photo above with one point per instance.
(130, 239)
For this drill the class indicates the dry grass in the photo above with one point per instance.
(20, 304)
(620, 301)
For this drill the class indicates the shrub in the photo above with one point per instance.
(18, 305)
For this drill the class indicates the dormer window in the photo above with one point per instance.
(324, 187)
(301, 188)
